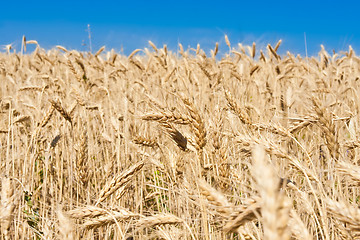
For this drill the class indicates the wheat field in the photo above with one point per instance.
(179, 145)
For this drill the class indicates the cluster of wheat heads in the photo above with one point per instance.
(164, 145)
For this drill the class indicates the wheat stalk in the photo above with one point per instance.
(6, 207)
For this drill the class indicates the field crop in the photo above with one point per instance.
(165, 145)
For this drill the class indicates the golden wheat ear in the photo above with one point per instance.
(119, 181)
(57, 105)
(217, 199)
(66, 226)
(275, 207)
(242, 215)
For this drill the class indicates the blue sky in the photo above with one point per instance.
(127, 25)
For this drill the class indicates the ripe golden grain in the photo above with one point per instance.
(111, 218)
(153, 46)
(160, 219)
(277, 45)
(253, 52)
(99, 51)
(62, 48)
(227, 41)
(57, 105)
(133, 53)
(216, 109)
(273, 51)
(119, 181)
(66, 226)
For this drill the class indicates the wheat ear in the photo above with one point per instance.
(243, 116)
(159, 219)
(153, 46)
(66, 226)
(86, 212)
(274, 205)
(133, 53)
(119, 181)
(253, 52)
(47, 116)
(112, 217)
(197, 124)
(242, 215)
(350, 169)
(81, 161)
(175, 135)
(345, 213)
(326, 123)
(57, 105)
(99, 51)
(273, 51)
(166, 116)
(215, 198)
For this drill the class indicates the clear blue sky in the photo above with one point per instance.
(127, 25)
